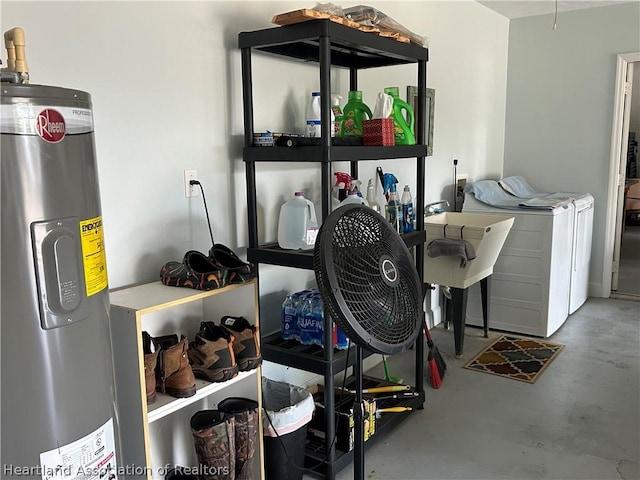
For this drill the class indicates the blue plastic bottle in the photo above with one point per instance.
(354, 112)
(403, 118)
(408, 215)
(289, 327)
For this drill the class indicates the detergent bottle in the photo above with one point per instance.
(314, 117)
(403, 118)
(297, 224)
(355, 111)
(337, 113)
(394, 207)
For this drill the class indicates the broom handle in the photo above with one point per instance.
(427, 334)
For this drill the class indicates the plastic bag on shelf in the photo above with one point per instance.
(330, 9)
(372, 17)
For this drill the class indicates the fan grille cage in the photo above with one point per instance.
(381, 312)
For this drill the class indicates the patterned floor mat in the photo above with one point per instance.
(522, 359)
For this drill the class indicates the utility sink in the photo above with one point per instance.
(485, 232)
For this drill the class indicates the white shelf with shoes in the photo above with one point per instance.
(157, 435)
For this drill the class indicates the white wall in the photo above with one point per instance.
(165, 79)
(560, 92)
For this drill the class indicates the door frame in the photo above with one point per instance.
(613, 206)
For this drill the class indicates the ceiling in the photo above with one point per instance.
(530, 8)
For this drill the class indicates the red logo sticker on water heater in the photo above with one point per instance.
(50, 125)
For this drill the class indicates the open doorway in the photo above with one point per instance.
(622, 275)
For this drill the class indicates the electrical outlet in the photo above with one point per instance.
(190, 190)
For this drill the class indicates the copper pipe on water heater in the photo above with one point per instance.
(16, 57)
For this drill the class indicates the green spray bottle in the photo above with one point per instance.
(403, 118)
(354, 112)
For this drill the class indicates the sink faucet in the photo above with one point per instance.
(430, 208)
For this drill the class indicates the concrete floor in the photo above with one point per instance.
(580, 420)
(629, 272)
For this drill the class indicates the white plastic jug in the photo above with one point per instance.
(297, 225)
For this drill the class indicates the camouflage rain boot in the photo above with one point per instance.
(173, 373)
(245, 414)
(246, 345)
(214, 439)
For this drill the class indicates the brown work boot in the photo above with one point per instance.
(150, 362)
(174, 374)
(214, 439)
(246, 344)
(211, 355)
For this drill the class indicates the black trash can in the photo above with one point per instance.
(287, 409)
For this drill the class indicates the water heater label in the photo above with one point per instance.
(91, 457)
(94, 258)
(51, 123)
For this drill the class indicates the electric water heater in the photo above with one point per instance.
(58, 402)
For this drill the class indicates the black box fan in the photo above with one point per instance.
(370, 287)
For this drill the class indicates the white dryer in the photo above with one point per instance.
(581, 251)
(532, 276)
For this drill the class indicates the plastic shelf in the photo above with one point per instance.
(272, 254)
(315, 451)
(306, 357)
(347, 153)
(350, 48)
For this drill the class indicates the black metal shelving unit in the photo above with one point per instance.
(327, 44)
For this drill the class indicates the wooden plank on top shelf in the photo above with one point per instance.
(306, 14)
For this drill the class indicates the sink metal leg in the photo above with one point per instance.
(485, 290)
(459, 301)
(448, 311)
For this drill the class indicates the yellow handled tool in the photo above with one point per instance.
(383, 389)
(388, 388)
(394, 409)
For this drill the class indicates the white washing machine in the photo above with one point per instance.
(582, 232)
(531, 280)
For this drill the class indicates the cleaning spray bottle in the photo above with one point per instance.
(337, 113)
(394, 207)
(403, 118)
(372, 195)
(355, 111)
(355, 187)
(355, 196)
(343, 183)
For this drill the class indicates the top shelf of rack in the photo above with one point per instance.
(350, 48)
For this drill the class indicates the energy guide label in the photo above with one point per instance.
(92, 457)
(94, 258)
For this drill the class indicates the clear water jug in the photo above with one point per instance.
(297, 225)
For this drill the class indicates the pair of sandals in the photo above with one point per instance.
(220, 268)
